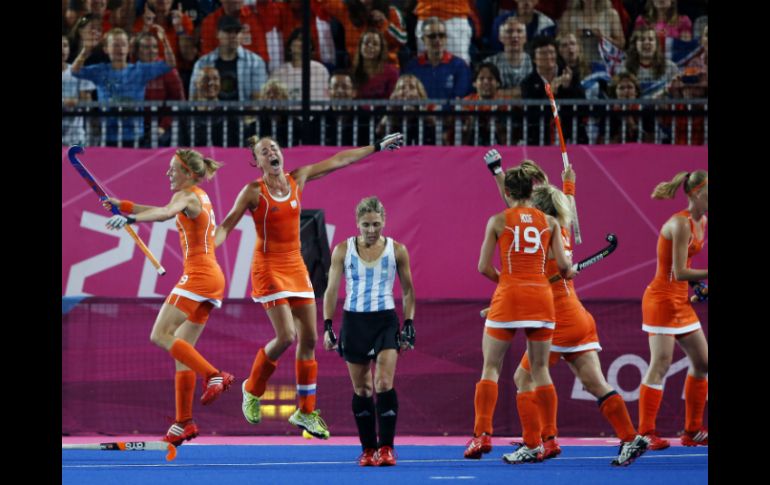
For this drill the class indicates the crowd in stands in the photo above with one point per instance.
(238, 50)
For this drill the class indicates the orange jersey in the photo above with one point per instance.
(393, 28)
(277, 220)
(523, 297)
(203, 278)
(575, 326)
(277, 269)
(666, 307)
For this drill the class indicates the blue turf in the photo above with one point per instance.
(334, 465)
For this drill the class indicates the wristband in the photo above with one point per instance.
(569, 188)
(126, 206)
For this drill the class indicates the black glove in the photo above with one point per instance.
(407, 333)
(389, 142)
(328, 328)
(701, 290)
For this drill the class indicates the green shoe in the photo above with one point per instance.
(310, 422)
(251, 408)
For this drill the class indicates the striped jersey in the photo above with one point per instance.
(369, 285)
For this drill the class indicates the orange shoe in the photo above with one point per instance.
(385, 457)
(477, 446)
(696, 438)
(216, 385)
(181, 432)
(656, 442)
(552, 449)
(368, 457)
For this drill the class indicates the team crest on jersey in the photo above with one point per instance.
(526, 218)
(293, 204)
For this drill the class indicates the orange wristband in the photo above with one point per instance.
(569, 188)
(126, 206)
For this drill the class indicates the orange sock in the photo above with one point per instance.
(261, 370)
(186, 354)
(527, 404)
(695, 392)
(615, 411)
(184, 387)
(649, 403)
(307, 372)
(549, 402)
(484, 402)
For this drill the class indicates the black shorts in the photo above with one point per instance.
(366, 334)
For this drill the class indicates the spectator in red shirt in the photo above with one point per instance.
(257, 23)
(165, 87)
(373, 76)
(174, 22)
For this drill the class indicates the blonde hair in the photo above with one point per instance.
(278, 87)
(553, 202)
(196, 163)
(370, 204)
(113, 32)
(534, 171)
(406, 77)
(667, 190)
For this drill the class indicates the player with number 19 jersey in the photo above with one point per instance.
(523, 298)
(203, 279)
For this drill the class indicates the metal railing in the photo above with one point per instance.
(361, 122)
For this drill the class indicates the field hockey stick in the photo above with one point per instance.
(126, 446)
(91, 181)
(565, 159)
(593, 259)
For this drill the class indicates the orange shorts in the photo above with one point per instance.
(506, 334)
(553, 358)
(292, 302)
(196, 311)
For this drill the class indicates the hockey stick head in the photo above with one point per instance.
(613, 240)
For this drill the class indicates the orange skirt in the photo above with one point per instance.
(667, 313)
(279, 275)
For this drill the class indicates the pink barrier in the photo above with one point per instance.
(437, 199)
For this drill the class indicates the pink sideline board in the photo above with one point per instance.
(437, 199)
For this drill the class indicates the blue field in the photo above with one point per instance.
(333, 465)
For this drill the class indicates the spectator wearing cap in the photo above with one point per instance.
(258, 28)
(242, 72)
(444, 75)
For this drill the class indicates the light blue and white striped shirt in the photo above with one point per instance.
(369, 285)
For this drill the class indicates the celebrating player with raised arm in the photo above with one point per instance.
(575, 338)
(182, 317)
(279, 277)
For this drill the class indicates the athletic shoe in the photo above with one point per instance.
(385, 457)
(216, 385)
(525, 455)
(310, 422)
(656, 442)
(630, 451)
(250, 406)
(477, 446)
(181, 432)
(696, 438)
(551, 447)
(368, 457)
